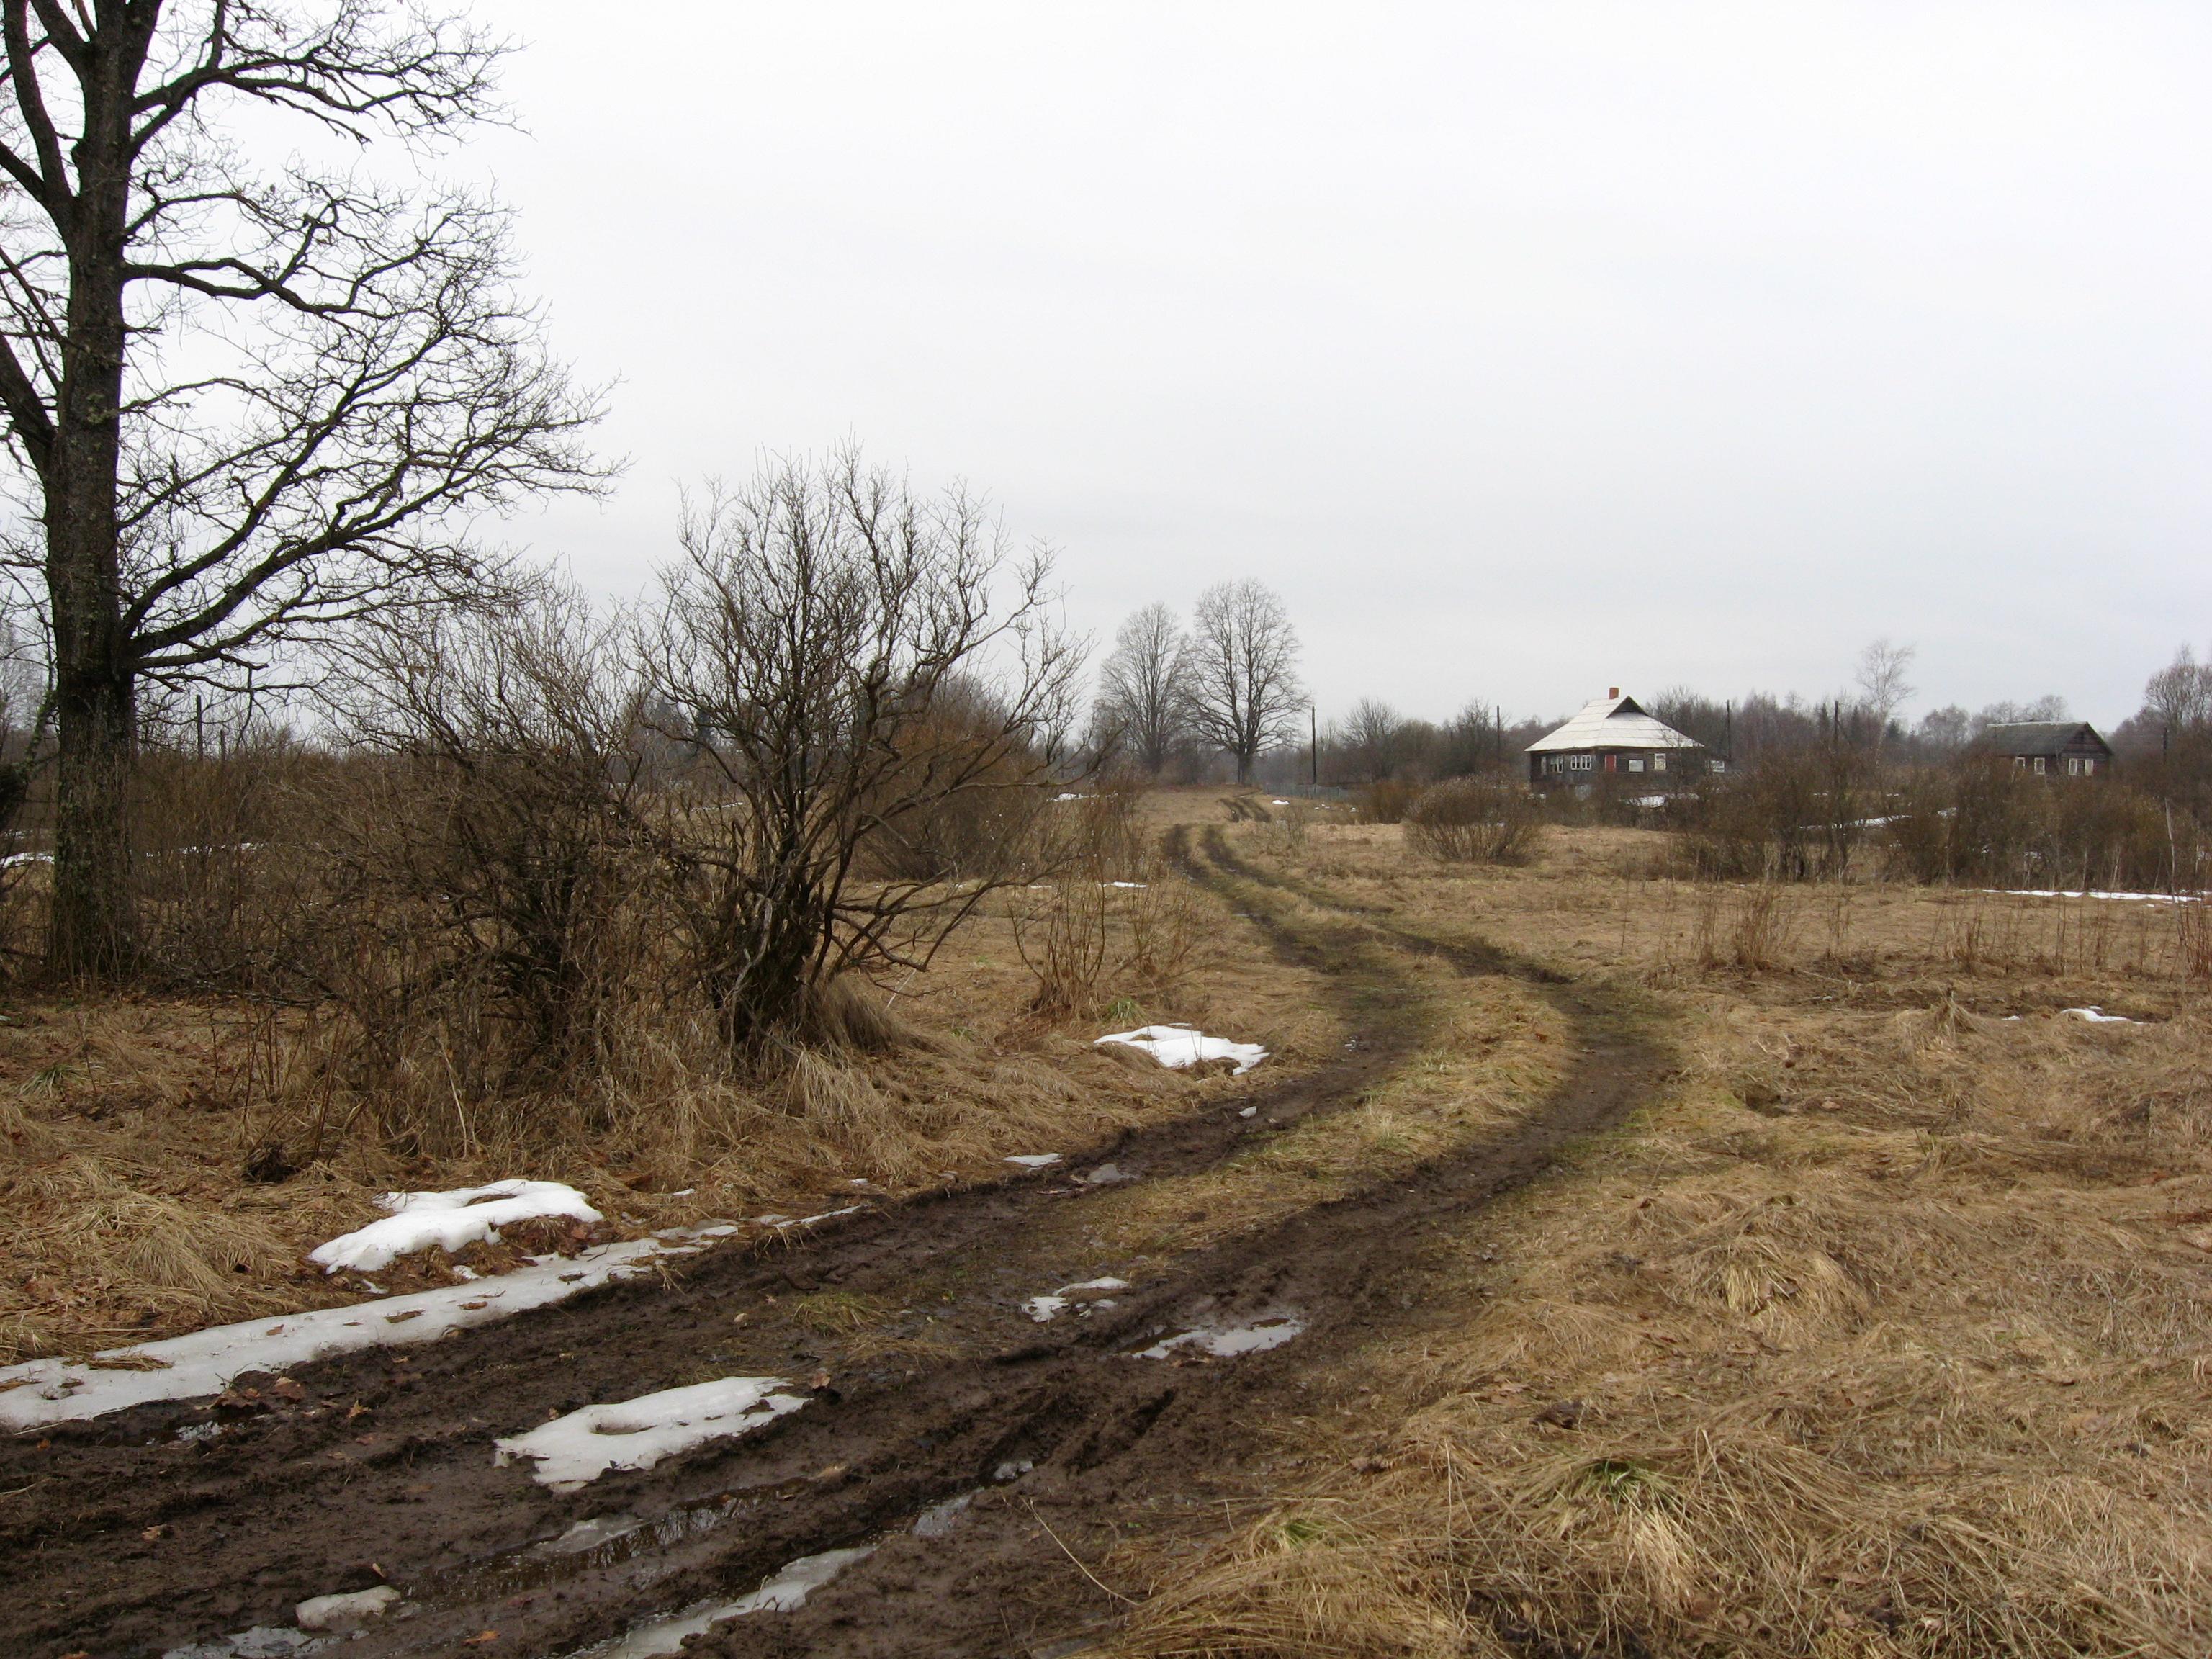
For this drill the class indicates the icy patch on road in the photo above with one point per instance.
(1178, 1045)
(262, 1642)
(784, 1223)
(452, 1221)
(786, 1591)
(1035, 1160)
(1225, 1341)
(1090, 1293)
(2099, 1017)
(938, 1519)
(41, 1391)
(575, 1450)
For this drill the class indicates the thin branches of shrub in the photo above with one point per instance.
(1474, 821)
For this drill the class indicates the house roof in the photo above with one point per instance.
(1612, 723)
(2039, 737)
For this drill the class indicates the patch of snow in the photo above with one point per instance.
(784, 1223)
(1090, 1293)
(784, 1592)
(344, 1612)
(1106, 1175)
(27, 858)
(2093, 893)
(1012, 1470)
(1131, 885)
(452, 1221)
(1035, 1160)
(1281, 803)
(575, 1450)
(41, 1391)
(1249, 1111)
(1070, 795)
(2099, 1017)
(939, 1519)
(1177, 1046)
(1227, 1341)
(262, 1642)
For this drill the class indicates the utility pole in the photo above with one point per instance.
(1313, 742)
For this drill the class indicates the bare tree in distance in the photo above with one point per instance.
(2179, 696)
(1144, 692)
(1374, 737)
(1245, 693)
(244, 404)
(845, 659)
(1883, 684)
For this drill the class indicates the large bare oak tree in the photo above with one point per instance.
(245, 402)
(1144, 687)
(1245, 694)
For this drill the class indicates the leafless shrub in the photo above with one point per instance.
(1747, 928)
(1474, 821)
(2192, 927)
(1386, 800)
(814, 640)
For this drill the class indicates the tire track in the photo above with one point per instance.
(294, 1505)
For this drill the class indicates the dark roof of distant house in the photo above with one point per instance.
(2040, 736)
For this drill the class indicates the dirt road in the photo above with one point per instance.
(119, 1537)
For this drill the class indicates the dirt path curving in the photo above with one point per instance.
(928, 1381)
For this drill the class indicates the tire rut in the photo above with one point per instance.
(142, 1543)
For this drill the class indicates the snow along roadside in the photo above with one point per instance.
(575, 1450)
(452, 1221)
(41, 1391)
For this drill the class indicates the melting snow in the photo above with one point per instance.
(1178, 1045)
(1090, 1293)
(788, 1590)
(262, 1642)
(1035, 1160)
(451, 1220)
(1227, 1341)
(41, 1391)
(2095, 893)
(2099, 1017)
(575, 1450)
(344, 1612)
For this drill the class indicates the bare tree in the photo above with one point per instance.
(243, 403)
(2179, 696)
(1245, 694)
(1374, 739)
(1881, 675)
(1144, 687)
(846, 659)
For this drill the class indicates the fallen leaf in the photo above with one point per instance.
(358, 1410)
(481, 1637)
(151, 1534)
(285, 1388)
(402, 1318)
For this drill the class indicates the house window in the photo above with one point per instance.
(1582, 762)
(1720, 766)
(1635, 764)
(2039, 766)
(1658, 763)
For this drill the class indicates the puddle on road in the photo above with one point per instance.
(938, 1519)
(1225, 1341)
(787, 1590)
(262, 1642)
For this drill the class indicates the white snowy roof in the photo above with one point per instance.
(1613, 723)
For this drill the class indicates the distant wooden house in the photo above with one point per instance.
(2069, 749)
(1611, 737)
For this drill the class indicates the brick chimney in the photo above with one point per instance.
(1612, 691)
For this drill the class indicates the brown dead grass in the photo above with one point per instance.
(126, 1128)
(1884, 1333)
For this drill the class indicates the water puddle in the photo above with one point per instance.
(782, 1592)
(939, 1519)
(1225, 1341)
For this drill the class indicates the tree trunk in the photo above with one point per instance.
(94, 932)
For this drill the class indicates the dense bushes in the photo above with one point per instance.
(1474, 821)
(1826, 813)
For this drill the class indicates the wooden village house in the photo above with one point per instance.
(2069, 749)
(1610, 738)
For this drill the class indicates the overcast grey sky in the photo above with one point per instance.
(1527, 350)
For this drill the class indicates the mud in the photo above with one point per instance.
(120, 1538)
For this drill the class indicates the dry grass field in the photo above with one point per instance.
(1884, 1328)
(1886, 1332)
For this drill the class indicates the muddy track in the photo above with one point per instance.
(119, 1540)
